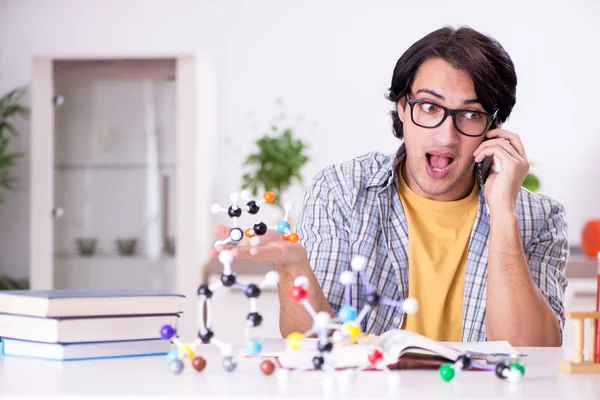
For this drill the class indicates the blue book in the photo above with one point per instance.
(84, 351)
(72, 303)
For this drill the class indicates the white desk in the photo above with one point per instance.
(150, 377)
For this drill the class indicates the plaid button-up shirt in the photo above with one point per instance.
(353, 208)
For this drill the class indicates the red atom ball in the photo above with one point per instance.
(375, 356)
(297, 293)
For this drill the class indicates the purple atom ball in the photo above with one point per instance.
(167, 332)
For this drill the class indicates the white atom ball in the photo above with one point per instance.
(272, 278)
(236, 234)
(226, 257)
(514, 375)
(359, 263)
(337, 337)
(410, 305)
(301, 281)
(321, 321)
(227, 350)
(254, 241)
(235, 198)
(246, 195)
(346, 278)
(283, 374)
(215, 208)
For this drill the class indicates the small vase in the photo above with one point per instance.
(86, 246)
(126, 246)
(170, 246)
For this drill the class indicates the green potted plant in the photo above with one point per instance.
(277, 162)
(10, 108)
(532, 182)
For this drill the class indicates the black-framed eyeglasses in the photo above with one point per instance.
(427, 114)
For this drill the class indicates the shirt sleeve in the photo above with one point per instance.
(324, 232)
(547, 256)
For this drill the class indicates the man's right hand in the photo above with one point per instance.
(290, 260)
(286, 257)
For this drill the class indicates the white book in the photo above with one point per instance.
(394, 345)
(84, 329)
(84, 351)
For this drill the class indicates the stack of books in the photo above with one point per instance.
(86, 324)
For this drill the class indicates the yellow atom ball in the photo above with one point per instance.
(351, 329)
(186, 351)
(293, 341)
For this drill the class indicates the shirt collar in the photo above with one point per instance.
(385, 175)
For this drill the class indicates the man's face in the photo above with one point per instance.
(439, 161)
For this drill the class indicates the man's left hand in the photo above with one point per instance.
(502, 187)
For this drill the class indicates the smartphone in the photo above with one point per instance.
(486, 164)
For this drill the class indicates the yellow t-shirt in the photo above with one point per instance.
(438, 241)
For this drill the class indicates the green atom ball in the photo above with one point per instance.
(518, 366)
(447, 372)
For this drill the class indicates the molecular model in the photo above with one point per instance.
(513, 372)
(346, 326)
(236, 234)
(187, 351)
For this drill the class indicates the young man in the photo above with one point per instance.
(484, 258)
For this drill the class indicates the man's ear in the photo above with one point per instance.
(400, 108)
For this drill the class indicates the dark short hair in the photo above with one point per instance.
(482, 57)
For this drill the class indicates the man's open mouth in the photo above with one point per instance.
(439, 162)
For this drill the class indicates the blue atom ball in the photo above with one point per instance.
(347, 313)
(172, 355)
(253, 347)
(167, 332)
(282, 226)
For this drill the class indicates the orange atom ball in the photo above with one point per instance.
(269, 197)
(293, 237)
(249, 233)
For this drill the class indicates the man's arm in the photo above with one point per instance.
(293, 317)
(517, 309)
(322, 230)
(525, 287)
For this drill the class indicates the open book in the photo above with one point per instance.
(396, 345)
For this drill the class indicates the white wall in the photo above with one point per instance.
(331, 61)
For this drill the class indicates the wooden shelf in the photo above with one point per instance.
(579, 368)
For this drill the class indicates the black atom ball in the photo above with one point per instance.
(464, 361)
(252, 291)
(373, 299)
(228, 280)
(318, 362)
(500, 370)
(325, 347)
(234, 212)
(204, 290)
(260, 228)
(254, 318)
(206, 336)
(252, 207)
